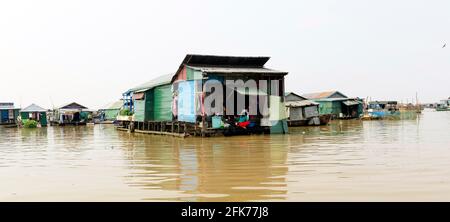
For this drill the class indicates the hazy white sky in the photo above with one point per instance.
(54, 52)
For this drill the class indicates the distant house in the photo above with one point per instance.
(337, 104)
(301, 111)
(34, 112)
(8, 114)
(325, 95)
(110, 111)
(71, 114)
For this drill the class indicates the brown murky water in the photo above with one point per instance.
(349, 160)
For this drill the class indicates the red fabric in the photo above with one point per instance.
(244, 124)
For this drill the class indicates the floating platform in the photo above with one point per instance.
(184, 129)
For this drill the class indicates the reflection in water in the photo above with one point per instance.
(225, 169)
(347, 160)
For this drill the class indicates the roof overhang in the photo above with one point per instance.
(219, 64)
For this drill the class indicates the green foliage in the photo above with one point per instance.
(30, 123)
(126, 112)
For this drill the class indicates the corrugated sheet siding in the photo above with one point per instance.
(329, 107)
(4, 115)
(295, 113)
(139, 110)
(192, 74)
(311, 111)
(186, 101)
(189, 74)
(111, 114)
(162, 103)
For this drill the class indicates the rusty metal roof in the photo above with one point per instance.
(301, 103)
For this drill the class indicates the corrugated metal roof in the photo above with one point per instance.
(236, 70)
(33, 108)
(295, 94)
(113, 105)
(231, 61)
(351, 102)
(301, 103)
(73, 105)
(6, 105)
(335, 99)
(162, 80)
(234, 62)
(322, 95)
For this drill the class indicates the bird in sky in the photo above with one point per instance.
(445, 44)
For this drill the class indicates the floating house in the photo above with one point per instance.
(34, 112)
(337, 104)
(175, 104)
(71, 114)
(8, 114)
(301, 111)
(189, 94)
(443, 105)
(381, 110)
(110, 111)
(149, 102)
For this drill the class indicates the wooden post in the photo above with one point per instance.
(131, 127)
(195, 128)
(203, 125)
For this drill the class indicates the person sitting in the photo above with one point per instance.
(243, 119)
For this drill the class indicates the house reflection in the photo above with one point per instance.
(209, 169)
